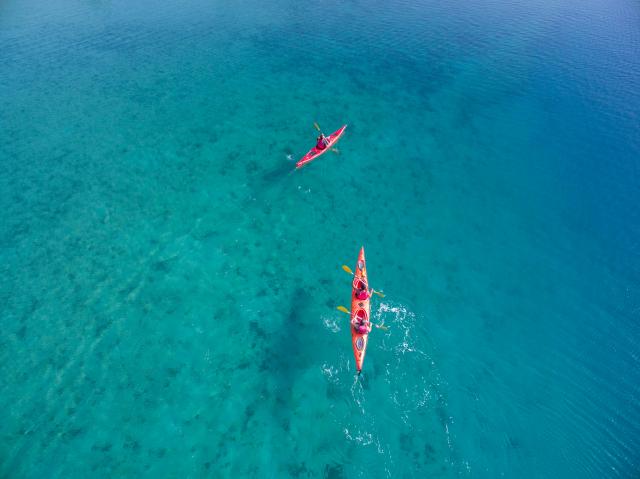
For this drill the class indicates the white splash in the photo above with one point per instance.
(331, 324)
(331, 373)
(401, 319)
(361, 437)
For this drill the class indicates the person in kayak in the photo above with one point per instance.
(322, 142)
(362, 326)
(361, 322)
(361, 293)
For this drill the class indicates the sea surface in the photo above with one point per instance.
(169, 283)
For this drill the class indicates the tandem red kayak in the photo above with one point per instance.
(315, 152)
(360, 312)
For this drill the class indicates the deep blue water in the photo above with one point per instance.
(169, 284)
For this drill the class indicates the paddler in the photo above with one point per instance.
(362, 326)
(322, 142)
(362, 294)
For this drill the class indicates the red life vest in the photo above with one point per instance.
(362, 295)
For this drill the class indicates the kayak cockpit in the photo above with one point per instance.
(360, 321)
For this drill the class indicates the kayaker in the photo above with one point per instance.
(361, 326)
(362, 294)
(322, 142)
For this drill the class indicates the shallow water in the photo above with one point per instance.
(170, 284)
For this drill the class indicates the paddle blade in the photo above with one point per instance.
(316, 126)
(343, 309)
(382, 326)
(379, 293)
(347, 269)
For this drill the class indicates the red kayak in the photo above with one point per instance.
(360, 312)
(315, 152)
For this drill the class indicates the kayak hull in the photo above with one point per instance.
(360, 309)
(316, 152)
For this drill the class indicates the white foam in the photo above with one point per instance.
(331, 324)
(331, 373)
(402, 319)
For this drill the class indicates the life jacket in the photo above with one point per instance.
(362, 295)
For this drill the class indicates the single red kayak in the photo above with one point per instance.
(360, 312)
(315, 152)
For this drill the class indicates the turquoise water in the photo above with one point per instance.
(170, 284)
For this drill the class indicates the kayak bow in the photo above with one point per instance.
(315, 152)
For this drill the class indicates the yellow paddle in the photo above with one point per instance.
(379, 326)
(348, 270)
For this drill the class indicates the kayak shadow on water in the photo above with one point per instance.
(265, 183)
(284, 357)
(278, 172)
